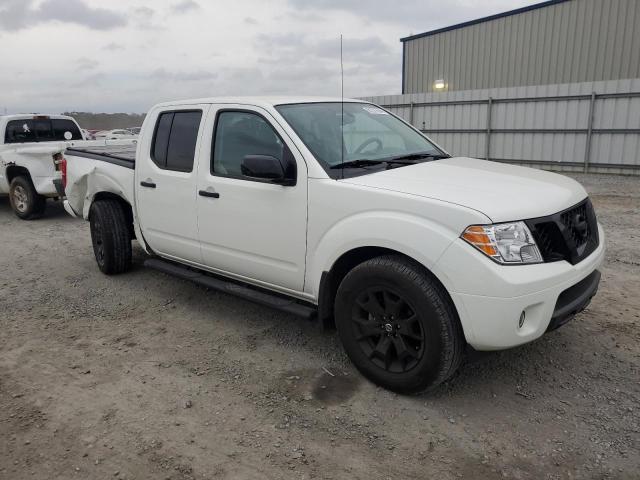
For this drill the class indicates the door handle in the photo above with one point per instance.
(148, 184)
(206, 193)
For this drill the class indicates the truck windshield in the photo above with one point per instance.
(372, 137)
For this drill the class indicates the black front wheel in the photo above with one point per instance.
(398, 325)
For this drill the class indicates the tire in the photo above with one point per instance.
(110, 236)
(26, 203)
(398, 325)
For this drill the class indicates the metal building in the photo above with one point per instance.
(554, 85)
(588, 126)
(553, 42)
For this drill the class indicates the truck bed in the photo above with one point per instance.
(123, 155)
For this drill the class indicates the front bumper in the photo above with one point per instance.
(574, 300)
(491, 298)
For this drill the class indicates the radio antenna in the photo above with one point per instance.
(341, 108)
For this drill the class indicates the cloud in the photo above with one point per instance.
(146, 18)
(89, 81)
(425, 14)
(285, 47)
(185, 6)
(20, 14)
(14, 14)
(144, 12)
(302, 63)
(113, 46)
(75, 11)
(300, 16)
(280, 40)
(181, 76)
(363, 50)
(85, 63)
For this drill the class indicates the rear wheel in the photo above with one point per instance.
(25, 201)
(111, 237)
(398, 325)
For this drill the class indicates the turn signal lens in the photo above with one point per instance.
(477, 237)
(507, 243)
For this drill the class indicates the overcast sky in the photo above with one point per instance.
(126, 55)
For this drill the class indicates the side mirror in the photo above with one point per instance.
(265, 167)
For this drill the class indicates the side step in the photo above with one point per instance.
(263, 298)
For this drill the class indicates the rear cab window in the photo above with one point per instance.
(19, 131)
(41, 130)
(61, 126)
(175, 138)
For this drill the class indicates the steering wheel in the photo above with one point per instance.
(368, 142)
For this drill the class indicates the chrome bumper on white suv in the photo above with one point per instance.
(501, 306)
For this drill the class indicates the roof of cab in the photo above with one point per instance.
(29, 116)
(259, 101)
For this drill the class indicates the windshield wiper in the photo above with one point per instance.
(406, 159)
(361, 162)
(414, 156)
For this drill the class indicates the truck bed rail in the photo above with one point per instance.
(122, 155)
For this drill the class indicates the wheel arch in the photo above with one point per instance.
(330, 279)
(14, 171)
(126, 208)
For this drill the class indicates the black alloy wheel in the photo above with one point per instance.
(388, 330)
(398, 324)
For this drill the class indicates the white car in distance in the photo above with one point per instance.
(118, 134)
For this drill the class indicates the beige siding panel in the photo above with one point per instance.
(573, 41)
(559, 147)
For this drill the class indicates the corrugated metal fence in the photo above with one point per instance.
(591, 126)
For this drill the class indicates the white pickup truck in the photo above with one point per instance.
(30, 148)
(343, 212)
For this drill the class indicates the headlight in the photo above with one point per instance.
(504, 242)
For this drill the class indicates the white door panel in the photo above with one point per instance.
(168, 213)
(254, 229)
(167, 204)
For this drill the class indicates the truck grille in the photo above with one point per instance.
(570, 235)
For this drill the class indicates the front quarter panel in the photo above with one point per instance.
(343, 217)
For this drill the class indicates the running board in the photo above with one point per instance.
(263, 298)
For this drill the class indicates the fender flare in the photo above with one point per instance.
(418, 238)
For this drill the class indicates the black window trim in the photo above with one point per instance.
(155, 132)
(242, 177)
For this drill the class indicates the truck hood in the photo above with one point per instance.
(502, 192)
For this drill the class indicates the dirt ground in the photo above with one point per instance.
(149, 377)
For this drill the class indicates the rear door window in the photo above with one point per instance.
(161, 139)
(175, 139)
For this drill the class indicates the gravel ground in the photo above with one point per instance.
(146, 376)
